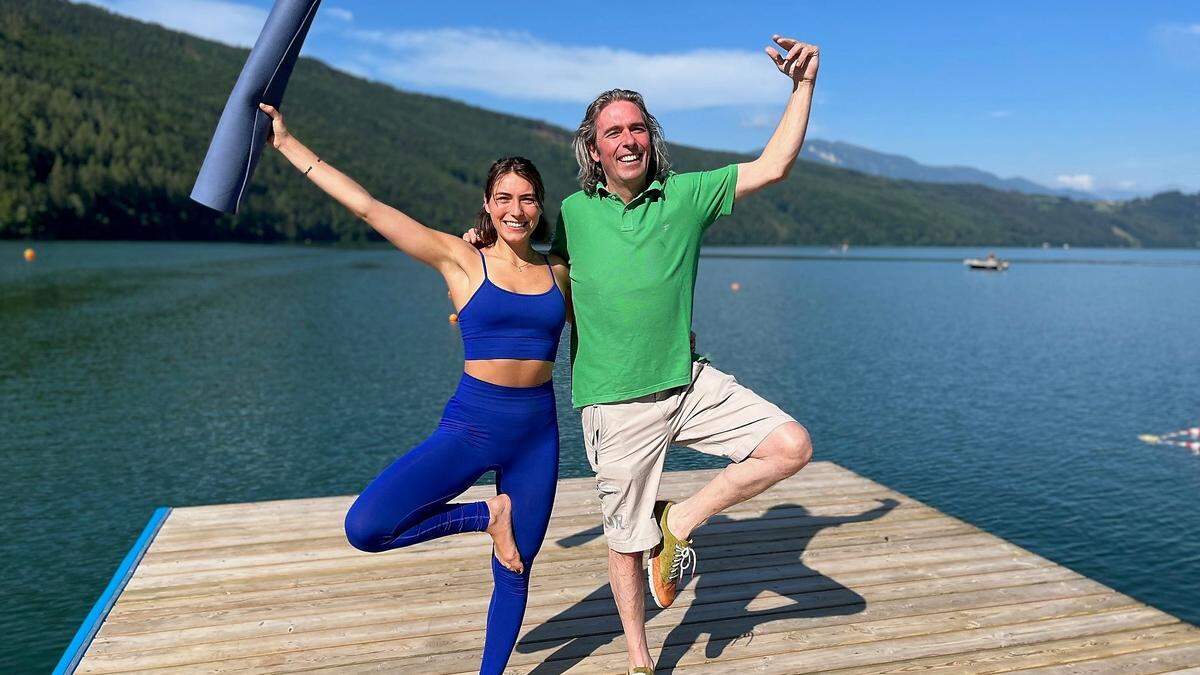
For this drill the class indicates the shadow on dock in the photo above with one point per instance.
(719, 609)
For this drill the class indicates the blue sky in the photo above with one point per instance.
(1090, 95)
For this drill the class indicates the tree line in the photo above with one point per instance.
(106, 121)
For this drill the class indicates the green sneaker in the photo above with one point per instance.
(668, 560)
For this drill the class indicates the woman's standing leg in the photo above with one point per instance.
(530, 480)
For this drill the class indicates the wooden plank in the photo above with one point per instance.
(875, 653)
(329, 548)
(216, 549)
(565, 532)
(1151, 650)
(273, 522)
(187, 537)
(550, 590)
(387, 654)
(869, 544)
(729, 643)
(817, 477)
(1177, 659)
(375, 638)
(408, 605)
(419, 559)
(377, 623)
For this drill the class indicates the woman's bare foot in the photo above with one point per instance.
(500, 527)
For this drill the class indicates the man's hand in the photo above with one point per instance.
(800, 61)
(471, 236)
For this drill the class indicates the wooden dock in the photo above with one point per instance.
(827, 572)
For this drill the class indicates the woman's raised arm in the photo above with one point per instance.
(436, 249)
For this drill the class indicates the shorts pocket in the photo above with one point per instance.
(592, 422)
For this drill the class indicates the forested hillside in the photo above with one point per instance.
(104, 122)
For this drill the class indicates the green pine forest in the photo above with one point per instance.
(104, 122)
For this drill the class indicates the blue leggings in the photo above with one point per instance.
(485, 427)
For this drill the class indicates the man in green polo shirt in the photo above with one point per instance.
(632, 237)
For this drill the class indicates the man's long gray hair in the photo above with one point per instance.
(590, 172)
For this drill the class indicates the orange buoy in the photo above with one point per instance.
(30, 255)
(453, 318)
(735, 287)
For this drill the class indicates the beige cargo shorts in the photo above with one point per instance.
(627, 441)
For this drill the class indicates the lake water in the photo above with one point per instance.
(134, 375)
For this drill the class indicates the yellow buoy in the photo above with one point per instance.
(30, 255)
(453, 318)
(735, 287)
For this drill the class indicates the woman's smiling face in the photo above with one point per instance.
(514, 209)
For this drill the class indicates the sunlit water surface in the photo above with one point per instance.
(136, 375)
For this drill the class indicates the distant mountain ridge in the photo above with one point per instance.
(875, 163)
(105, 120)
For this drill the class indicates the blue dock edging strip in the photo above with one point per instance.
(91, 625)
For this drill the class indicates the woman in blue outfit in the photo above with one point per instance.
(511, 304)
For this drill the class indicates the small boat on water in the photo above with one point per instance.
(1184, 438)
(990, 263)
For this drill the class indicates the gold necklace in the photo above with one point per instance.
(521, 268)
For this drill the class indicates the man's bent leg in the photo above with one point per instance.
(780, 455)
(719, 416)
(625, 576)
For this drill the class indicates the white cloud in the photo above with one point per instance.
(228, 22)
(516, 65)
(1079, 181)
(827, 156)
(508, 64)
(1179, 43)
(760, 120)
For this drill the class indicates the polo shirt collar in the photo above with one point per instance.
(654, 186)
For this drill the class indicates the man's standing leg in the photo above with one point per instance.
(626, 444)
(625, 574)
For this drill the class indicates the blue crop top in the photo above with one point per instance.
(500, 324)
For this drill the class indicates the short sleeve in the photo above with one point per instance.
(714, 192)
(558, 245)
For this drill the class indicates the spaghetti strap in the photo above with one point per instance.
(483, 259)
(550, 267)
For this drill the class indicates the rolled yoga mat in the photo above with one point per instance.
(243, 128)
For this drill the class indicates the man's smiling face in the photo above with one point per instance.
(622, 146)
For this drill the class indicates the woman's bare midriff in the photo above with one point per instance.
(510, 372)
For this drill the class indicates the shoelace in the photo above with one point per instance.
(684, 555)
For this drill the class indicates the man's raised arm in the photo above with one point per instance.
(800, 63)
